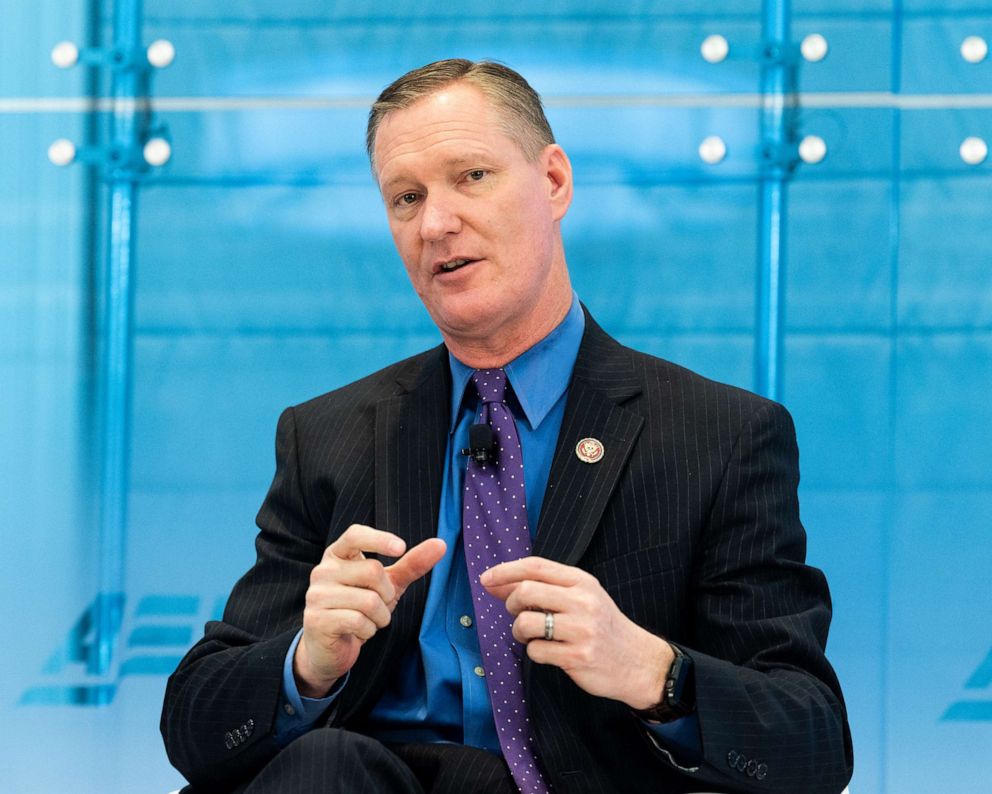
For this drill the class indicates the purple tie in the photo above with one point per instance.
(494, 528)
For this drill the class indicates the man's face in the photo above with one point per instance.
(475, 223)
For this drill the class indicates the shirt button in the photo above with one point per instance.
(289, 709)
(480, 672)
(465, 620)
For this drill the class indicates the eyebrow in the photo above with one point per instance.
(450, 162)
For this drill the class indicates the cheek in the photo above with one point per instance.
(408, 247)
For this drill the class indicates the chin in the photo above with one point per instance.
(466, 320)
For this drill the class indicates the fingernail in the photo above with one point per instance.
(396, 547)
(486, 577)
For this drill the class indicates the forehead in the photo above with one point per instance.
(452, 124)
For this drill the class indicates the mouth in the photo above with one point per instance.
(451, 265)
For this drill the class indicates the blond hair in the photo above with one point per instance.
(518, 105)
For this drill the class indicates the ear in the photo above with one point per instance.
(558, 171)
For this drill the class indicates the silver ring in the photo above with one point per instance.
(549, 626)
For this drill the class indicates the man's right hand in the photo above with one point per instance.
(350, 598)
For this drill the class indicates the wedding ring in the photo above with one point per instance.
(549, 626)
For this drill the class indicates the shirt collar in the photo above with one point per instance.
(539, 375)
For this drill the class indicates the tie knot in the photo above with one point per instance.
(491, 385)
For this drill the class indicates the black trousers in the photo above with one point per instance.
(329, 761)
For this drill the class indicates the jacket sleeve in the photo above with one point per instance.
(771, 713)
(218, 718)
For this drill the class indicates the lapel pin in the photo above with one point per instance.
(589, 450)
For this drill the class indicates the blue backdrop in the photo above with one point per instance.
(263, 274)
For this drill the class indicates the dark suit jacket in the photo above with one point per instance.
(690, 521)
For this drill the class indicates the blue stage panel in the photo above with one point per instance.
(577, 55)
(932, 61)
(943, 432)
(513, 11)
(839, 282)
(670, 257)
(721, 356)
(205, 408)
(858, 58)
(938, 598)
(931, 143)
(945, 281)
(848, 534)
(271, 257)
(824, 375)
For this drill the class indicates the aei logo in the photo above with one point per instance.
(974, 709)
(157, 632)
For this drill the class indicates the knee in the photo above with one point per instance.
(332, 745)
(337, 760)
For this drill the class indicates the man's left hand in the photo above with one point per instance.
(600, 648)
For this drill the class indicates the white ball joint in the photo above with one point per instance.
(814, 48)
(161, 53)
(65, 55)
(157, 152)
(62, 152)
(974, 49)
(974, 150)
(812, 149)
(714, 49)
(712, 150)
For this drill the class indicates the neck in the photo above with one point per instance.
(498, 350)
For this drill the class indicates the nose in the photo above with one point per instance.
(439, 217)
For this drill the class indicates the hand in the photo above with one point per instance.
(600, 649)
(350, 598)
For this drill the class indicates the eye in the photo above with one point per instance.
(476, 175)
(406, 199)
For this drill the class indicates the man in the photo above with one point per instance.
(606, 593)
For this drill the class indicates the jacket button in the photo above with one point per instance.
(228, 740)
(752, 767)
(247, 728)
(741, 764)
(732, 757)
(762, 772)
(251, 725)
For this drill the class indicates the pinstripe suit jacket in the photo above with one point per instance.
(690, 521)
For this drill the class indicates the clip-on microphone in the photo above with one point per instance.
(481, 443)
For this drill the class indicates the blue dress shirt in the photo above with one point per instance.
(439, 692)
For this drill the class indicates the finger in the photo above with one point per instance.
(359, 538)
(529, 627)
(536, 568)
(503, 591)
(416, 562)
(541, 597)
(344, 622)
(336, 597)
(550, 652)
(370, 574)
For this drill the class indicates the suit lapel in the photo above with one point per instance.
(578, 492)
(410, 441)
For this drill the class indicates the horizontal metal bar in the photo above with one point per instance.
(881, 100)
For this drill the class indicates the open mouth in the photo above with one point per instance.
(453, 265)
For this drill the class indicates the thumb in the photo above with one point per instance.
(416, 562)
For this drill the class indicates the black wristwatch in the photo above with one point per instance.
(678, 696)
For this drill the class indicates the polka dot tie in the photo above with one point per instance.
(494, 528)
